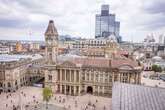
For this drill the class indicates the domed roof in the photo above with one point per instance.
(51, 29)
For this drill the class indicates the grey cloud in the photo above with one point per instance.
(73, 16)
(12, 23)
(154, 24)
(154, 7)
(35, 6)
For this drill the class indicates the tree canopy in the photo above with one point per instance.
(156, 68)
(47, 94)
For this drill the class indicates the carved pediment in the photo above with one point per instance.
(68, 64)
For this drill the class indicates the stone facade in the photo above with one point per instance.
(67, 78)
(14, 72)
(79, 75)
(101, 47)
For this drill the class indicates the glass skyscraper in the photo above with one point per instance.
(106, 24)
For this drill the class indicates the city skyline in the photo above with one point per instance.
(26, 20)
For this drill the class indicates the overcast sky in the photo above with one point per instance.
(28, 19)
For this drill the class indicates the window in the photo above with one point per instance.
(50, 77)
(77, 76)
(87, 76)
(83, 76)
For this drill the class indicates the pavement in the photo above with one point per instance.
(30, 98)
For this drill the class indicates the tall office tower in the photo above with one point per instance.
(106, 24)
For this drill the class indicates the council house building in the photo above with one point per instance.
(77, 75)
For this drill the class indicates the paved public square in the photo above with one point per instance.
(24, 96)
(29, 97)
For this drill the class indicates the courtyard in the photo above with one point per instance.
(30, 98)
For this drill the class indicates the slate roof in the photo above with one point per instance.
(51, 29)
(137, 97)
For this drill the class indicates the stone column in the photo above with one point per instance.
(79, 90)
(90, 76)
(74, 90)
(74, 76)
(128, 80)
(134, 78)
(70, 75)
(98, 77)
(119, 76)
(103, 89)
(60, 88)
(65, 75)
(113, 77)
(80, 72)
(94, 90)
(94, 77)
(64, 89)
(85, 76)
(98, 90)
(70, 90)
(128, 77)
(137, 78)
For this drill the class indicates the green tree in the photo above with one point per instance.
(156, 68)
(159, 69)
(47, 94)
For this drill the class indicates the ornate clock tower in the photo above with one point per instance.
(51, 53)
(51, 39)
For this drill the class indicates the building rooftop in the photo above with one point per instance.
(9, 58)
(98, 61)
(137, 97)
